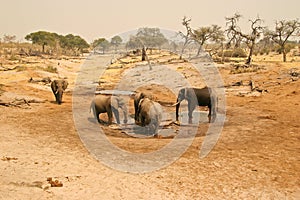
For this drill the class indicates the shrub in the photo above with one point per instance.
(51, 69)
(237, 53)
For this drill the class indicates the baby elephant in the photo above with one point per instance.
(58, 87)
(149, 114)
(109, 105)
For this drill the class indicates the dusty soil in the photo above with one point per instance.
(256, 157)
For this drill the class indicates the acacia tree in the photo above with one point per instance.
(134, 43)
(104, 45)
(101, 43)
(116, 41)
(96, 42)
(73, 42)
(283, 31)
(235, 34)
(151, 37)
(203, 35)
(42, 38)
(147, 38)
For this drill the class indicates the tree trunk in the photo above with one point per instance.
(222, 59)
(43, 48)
(249, 59)
(143, 54)
(284, 54)
(199, 50)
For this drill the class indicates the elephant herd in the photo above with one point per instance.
(147, 112)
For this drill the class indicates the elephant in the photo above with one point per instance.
(137, 98)
(58, 87)
(109, 104)
(198, 96)
(149, 114)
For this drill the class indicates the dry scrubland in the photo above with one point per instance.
(256, 157)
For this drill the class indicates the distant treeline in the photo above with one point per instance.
(231, 42)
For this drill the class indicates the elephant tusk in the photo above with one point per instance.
(175, 104)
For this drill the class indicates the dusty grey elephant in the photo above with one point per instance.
(137, 98)
(58, 87)
(198, 96)
(109, 104)
(149, 114)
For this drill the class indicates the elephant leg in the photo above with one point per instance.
(155, 129)
(97, 116)
(209, 113)
(109, 115)
(116, 113)
(177, 110)
(213, 114)
(191, 108)
(56, 97)
(143, 120)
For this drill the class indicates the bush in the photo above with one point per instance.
(288, 48)
(243, 68)
(51, 69)
(236, 53)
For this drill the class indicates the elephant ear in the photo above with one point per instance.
(191, 95)
(186, 93)
(65, 84)
(54, 86)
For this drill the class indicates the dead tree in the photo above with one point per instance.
(234, 33)
(283, 31)
(187, 36)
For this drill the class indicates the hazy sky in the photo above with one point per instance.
(92, 19)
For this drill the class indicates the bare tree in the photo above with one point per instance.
(235, 34)
(9, 38)
(187, 36)
(283, 31)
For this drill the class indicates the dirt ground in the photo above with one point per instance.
(256, 157)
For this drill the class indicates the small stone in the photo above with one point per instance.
(46, 186)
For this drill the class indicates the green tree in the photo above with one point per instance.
(42, 38)
(203, 35)
(96, 42)
(134, 43)
(146, 38)
(101, 43)
(151, 37)
(283, 31)
(116, 41)
(73, 42)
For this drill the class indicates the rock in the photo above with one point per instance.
(46, 186)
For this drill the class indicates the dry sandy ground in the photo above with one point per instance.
(257, 155)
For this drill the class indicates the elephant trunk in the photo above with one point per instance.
(58, 96)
